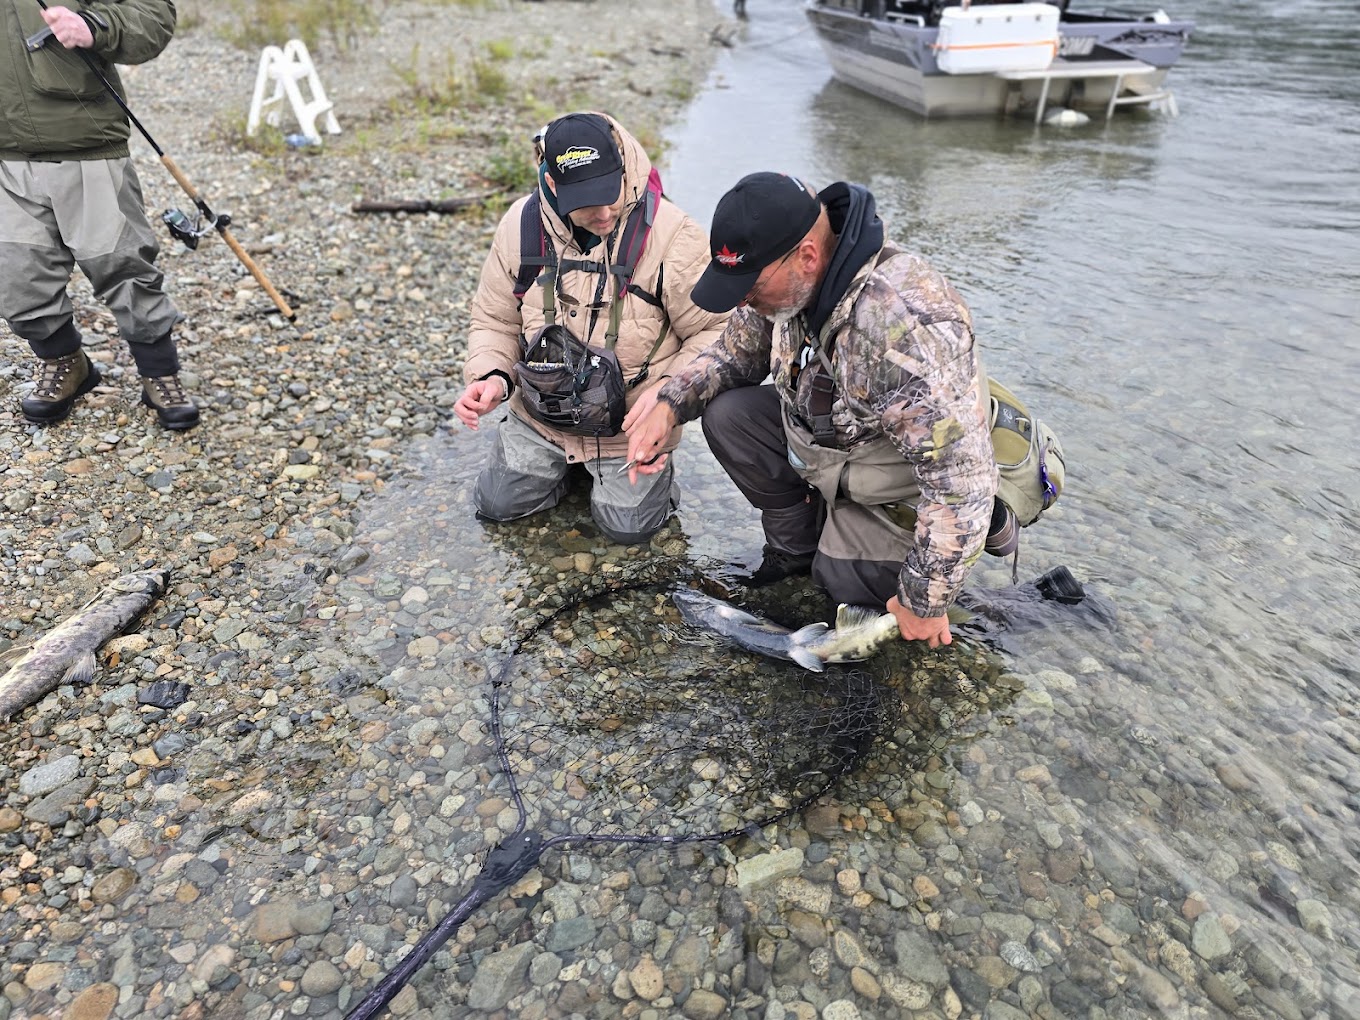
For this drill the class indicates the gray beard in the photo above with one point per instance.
(802, 294)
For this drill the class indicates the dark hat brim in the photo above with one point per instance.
(721, 290)
(602, 190)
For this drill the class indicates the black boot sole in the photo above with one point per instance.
(61, 410)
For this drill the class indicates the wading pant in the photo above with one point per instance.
(55, 216)
(859, 547)
(527, 474)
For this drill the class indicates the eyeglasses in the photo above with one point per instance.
(751, 296)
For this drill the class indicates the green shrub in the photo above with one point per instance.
(511, 166)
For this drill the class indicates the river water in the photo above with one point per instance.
(1148, 811)
(1178, 296)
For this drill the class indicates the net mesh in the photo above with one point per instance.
(617, 724)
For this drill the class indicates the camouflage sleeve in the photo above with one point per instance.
(739, 357)
(923, 385)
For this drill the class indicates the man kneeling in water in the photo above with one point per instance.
(869, 455)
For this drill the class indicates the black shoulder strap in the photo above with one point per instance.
(823, 383)
(636, 230)
(537, 252)
(820, 400)
(534, 250)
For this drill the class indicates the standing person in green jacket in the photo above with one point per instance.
(69, 196)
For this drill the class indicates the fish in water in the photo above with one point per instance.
(67, 654)
(811, 647)
(860, 631)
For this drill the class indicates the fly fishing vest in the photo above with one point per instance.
(565, 383)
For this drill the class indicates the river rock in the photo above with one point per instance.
(500, 976)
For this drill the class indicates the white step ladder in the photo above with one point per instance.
(287, 68)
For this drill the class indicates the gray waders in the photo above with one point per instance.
(856, 508)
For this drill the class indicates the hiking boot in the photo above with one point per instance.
(60, 381)
(777, 565)
(1003, 536)
(173, 406)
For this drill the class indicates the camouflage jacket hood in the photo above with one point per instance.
(675, 255)
(906, 369)
(55, 108)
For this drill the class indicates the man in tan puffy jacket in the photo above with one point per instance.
(594, 173)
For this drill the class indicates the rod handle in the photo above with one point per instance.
(179, 177)
(256, 272)
(232, 243)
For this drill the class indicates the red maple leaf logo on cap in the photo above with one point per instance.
(729, 258)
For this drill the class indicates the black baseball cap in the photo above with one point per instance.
(583, 161)
(756, 224)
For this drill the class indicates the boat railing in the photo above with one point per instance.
(1116, 14)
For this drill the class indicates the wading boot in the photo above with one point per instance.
(60, 381)
(786, 529)
(173, 406)
(777, 564)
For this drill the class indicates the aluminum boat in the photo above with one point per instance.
(979, 58)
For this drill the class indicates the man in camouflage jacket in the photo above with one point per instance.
(869, 455)
(69, 195)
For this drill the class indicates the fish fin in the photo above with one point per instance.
(848, 616)
(736, 615)
(958, 615)
(12, 655)
(802, 655)
(81, 671)
(805, 658)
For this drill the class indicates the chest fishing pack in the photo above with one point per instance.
(565, 383)
(1028, 457)
(570, 386)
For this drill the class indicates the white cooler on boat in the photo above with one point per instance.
(997, 37)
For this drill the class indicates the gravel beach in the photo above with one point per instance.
(252, 511)
(303, 422)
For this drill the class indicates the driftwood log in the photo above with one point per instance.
(423, 205)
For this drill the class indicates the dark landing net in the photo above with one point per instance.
(610, 729)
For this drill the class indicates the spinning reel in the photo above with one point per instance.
(190, 233)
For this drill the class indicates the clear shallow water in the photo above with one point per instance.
(1178, 297)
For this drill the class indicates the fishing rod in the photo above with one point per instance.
(175, 220)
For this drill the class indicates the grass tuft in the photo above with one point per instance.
(258, 23)
(510, 165)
